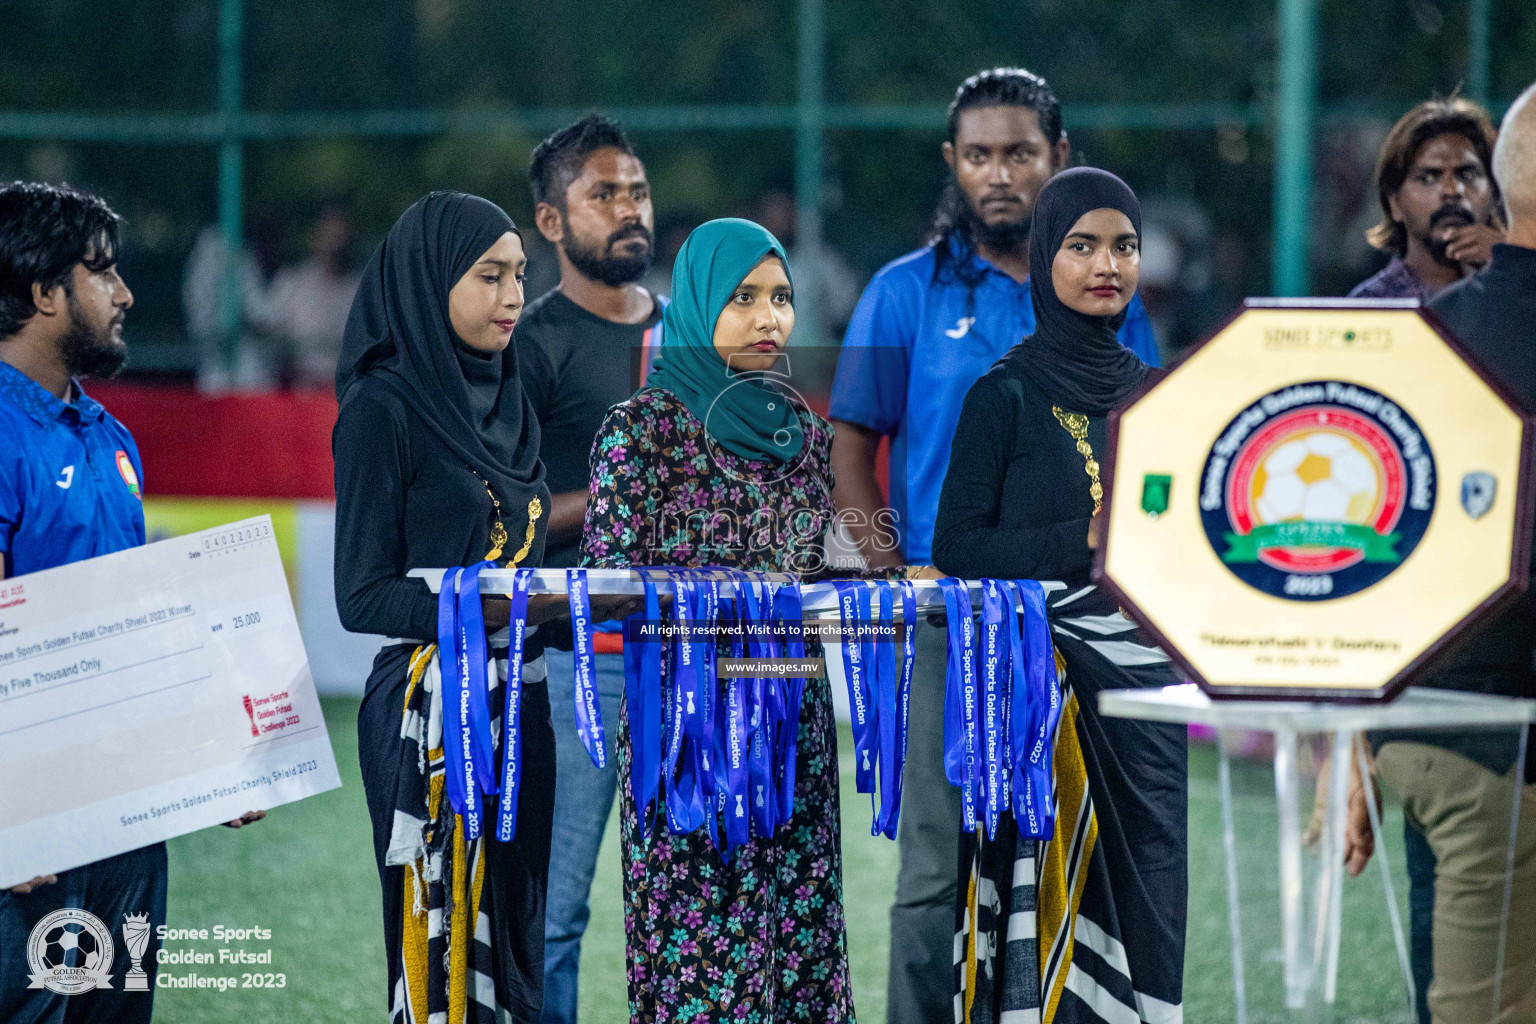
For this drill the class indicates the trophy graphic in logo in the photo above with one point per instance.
(250, 712)
(136, 938)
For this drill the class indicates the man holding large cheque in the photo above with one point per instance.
(69, 491)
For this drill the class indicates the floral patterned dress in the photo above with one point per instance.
(759, 938)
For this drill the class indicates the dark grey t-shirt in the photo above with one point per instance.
(575, 366)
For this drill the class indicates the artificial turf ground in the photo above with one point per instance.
(306, 873)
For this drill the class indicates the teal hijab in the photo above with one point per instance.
(745, 415)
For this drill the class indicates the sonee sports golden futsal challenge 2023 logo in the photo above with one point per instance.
(1317, 491)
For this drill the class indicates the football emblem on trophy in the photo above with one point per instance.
(1317, 491)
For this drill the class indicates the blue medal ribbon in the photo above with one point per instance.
(589, 712)
(790, 616)
(760, 713)
(477, 678)
(707, 752)
(459, 741)
(735, 753)
(685, 810)
(1045, 697)
(455, 726)
(960, 746)
(883, 682)
(995, 677)
(774, 690)
(903, 701)
(853, 609)
(1019, 710)
(644, 704)
(511, 715)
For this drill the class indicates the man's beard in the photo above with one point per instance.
(1006, 236)
(89, 353)
(1436, 247)
(602, 263)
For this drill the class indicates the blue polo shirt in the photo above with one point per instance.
(914, 348)
(69, 478)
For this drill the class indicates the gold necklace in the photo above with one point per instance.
(499, 536)
(1076, 424)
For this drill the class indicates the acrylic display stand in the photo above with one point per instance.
(1310, 917)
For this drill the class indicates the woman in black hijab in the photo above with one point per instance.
(437, 465)
(1021, 500)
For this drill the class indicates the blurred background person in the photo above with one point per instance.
(306, 308)
(821, 267)
(672, 230)
(927, 327)
(1178, 280)
(1439, 203)
(202, 302)
(578, 346)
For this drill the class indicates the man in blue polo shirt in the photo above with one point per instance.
(928, 326)
(69, 490)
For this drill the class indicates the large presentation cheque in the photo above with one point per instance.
(148, 694)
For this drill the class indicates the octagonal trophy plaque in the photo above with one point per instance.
(1317, 500)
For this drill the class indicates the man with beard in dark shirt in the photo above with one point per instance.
(1438, 200)
(580, 347)
(1455, 786)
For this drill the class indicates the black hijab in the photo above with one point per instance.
(398, 333)
(1076, 359)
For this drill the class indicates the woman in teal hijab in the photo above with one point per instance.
(710, 463)
(746, 415)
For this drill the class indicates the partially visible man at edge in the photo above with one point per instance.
(1439, 203)
(1457, 786)
(579, 346)
(927, 327)
(69, 490)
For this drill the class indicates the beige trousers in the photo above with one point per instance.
(1464, 811)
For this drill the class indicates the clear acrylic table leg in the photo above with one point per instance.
(1287, 797)
(1229, 842)
(1330, 896)
(1384, 861)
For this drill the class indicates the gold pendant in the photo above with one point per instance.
(1076, 424)
(498, 541)
(535, 509)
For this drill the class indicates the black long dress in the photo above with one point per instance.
(1108, 894)
(404, 501)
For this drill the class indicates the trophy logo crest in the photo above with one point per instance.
(1477, 493)
(136, 930)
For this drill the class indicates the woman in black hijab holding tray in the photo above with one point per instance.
(1089, 925)
(437, 466)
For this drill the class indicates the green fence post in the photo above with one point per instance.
(1477, 52)
(1295, 120)
(231, 176)
(808, 157)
